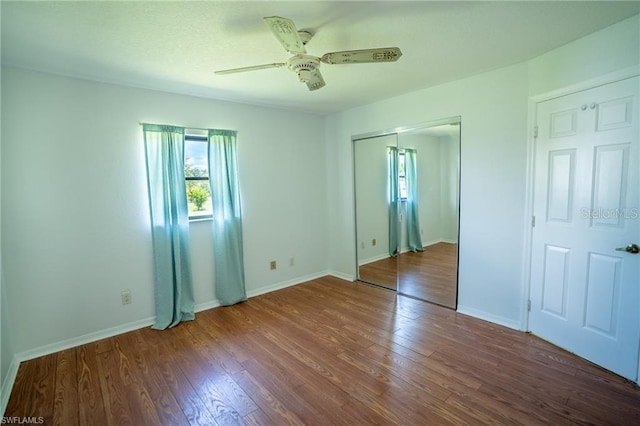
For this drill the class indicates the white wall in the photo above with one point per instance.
(75, 226)
(7, 351)
(6, 348)
(494, 110)
(614, 48)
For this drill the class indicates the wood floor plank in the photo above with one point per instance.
(216, 354)
(277, 410)
(141, 404)
(306, 410)
(292, 371)
(422, 370)
(330, 331)
(35, 389)
(115, 402)
(90, 399)
(186, 395)
(65, 411)
(20, 398)
(201, 374)
(323, 352)
(147, 375)
(536, 411)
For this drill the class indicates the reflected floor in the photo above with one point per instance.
(381, 272)
(429, 275)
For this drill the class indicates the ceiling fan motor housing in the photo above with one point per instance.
(304, 65)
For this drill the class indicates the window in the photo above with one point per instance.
(196, 172)
(402, 179)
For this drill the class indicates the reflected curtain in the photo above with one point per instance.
(227, 222)
(414, 240)
(164, 154)
(393, 199)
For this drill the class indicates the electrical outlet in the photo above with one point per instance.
(362, 244)
(126, 297)
(374, 242)
(292, 261)
(272, 265)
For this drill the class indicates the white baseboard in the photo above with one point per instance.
(472, 312)
(346, 277)
(441, 240)
(84, 339)
(285, 284)
(7, 384)
(449, 241)
(430, 243)
(199, 307)
(373, 259)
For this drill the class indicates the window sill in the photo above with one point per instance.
(200, 219)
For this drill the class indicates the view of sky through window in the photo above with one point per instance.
(195, 154)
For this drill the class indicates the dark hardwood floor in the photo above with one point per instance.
(322, 353)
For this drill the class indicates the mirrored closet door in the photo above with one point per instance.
(377, 263)
(407, 210)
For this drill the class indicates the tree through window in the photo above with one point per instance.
(196, 172)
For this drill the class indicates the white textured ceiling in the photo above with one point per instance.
(176, 46)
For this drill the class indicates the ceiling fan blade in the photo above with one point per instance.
(285, 31)
(315, 81)
(253, 68)
(384, 54)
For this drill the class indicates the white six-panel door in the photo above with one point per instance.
(585, 294)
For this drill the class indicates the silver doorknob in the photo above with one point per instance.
(631, 248)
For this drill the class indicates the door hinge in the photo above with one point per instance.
(535, 131)
(528, 305)
(533, 221)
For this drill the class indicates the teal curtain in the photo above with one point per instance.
(227, 222)
(164, 153)
(414, 240)
(393, 198)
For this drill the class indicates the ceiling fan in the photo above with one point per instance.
(307, 66)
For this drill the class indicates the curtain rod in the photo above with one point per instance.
(186, 128)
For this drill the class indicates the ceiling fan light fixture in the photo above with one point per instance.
(304, 75)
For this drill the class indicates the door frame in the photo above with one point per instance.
(613, 77)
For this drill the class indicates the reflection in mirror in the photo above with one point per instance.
(407, 207)
(428, 260)
(377, 263)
